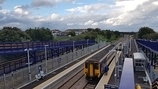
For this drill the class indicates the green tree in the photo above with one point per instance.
(9, 34)
(90, 29)
(97, 29)
(117, 34)
(153, 36)
(72, 33)
(40, 34)
(108, 34)
(144, 30)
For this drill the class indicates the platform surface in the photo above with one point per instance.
(105, 78)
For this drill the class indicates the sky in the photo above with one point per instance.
(121, 15)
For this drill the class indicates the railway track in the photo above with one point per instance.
(78, 81)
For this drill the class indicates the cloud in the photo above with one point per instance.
(47, 3)
(22, 9)
(93, 8)
(140, 15)
(120, 17)
(56, 17)
(2, 1)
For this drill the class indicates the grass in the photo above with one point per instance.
(62, 38)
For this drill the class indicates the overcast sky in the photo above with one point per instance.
(121, 15)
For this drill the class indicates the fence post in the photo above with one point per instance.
(12, 80)
(4, 81)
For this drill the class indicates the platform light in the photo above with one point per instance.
(28, 60)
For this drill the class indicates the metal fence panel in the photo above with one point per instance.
(55, 65)
(84, 51)
(79, 53)
(43, 65)
(25, 76)
(70, 57)
(65, 59)
(17, 78)
(33, 72)
(2, 82)
(9, 84)
(50, 65)
(62, 60)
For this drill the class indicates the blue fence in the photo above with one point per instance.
(53, 48)
(152, 45)
(10, 48)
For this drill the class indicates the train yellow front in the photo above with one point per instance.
(93, 69)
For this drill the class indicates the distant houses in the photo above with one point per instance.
(56, 32)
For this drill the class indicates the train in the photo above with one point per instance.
(94, 67)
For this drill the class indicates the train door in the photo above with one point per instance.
(90, 69)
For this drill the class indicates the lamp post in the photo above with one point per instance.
(28, 60)
(45, 47)
(87, 42)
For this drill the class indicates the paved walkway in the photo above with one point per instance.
(105, 78)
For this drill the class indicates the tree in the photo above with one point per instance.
(90, 29)
(108, 34)
(40, 34)
(9, 34)
(72, 33)
(144, 30)
(97, 29)
(117, 34)
(153, 36)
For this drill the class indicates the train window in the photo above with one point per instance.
(86, 65)
(95, 65)
(136, 60)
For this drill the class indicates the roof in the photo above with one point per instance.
(127, 78)
(94, 60)
(139, 55)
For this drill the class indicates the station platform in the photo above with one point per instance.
(54, 77)
(105, 78)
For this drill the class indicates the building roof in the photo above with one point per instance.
(127, 78)
(138, 56)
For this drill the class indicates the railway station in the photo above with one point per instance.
(78, 44)
(126, 64)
